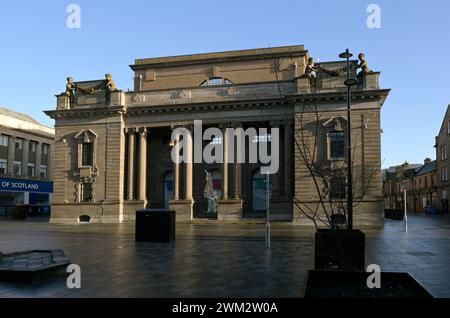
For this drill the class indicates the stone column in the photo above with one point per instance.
(225, 164)
(288, 158)
(131, 146)
(37, 162)
(189, 165)
(11, 151)
(237, 168)
(143, 165)
(25, 148)
(176, 171)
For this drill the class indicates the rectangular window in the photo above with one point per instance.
(3, 167)
(31, 170)
(86, 154)
(19, 144)
(43, 172)
(45, 149)
(444, 174)
(32, 147)
(17, 168)
(443, 152)
(448, 127)
(86, 192)
(4, 140)
(338, 188)
(337, 149)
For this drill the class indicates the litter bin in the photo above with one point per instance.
(155, 225)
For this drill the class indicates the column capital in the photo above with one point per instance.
(131, 130)
(143, 131)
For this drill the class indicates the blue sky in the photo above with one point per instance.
(411, 49)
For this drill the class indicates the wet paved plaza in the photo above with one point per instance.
(217, 260)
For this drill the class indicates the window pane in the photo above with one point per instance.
(337, 145)
(87, 154)
(216, 81)
(86, 191)
(337, 188)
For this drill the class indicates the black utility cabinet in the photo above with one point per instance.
(154, 225)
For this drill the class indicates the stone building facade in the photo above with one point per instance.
(113, 148)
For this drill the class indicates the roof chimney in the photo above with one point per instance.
(427, 161)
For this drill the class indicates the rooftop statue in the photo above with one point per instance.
(363, 65)
(310, 71)
(70, 87)
(110, 84)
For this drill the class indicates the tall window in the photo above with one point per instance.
(86, 159)
(32, 146)
(4, 140)
(43, 172)
(86, 192)
(216, 81)
(3, 167)
(444, 174)
(19, 143)
(31, 170)
(45, 149)
(448, 127)
(337, 142)
(337, 188)
(443, 152)
(17, 168)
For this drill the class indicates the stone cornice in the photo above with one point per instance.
(378, 94)
(83, 112)
(208, 106)
(284, 101)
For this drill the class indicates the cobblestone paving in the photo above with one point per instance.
(217, 260)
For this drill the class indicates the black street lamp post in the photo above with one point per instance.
(349, 82)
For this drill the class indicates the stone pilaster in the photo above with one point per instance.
(131, 146)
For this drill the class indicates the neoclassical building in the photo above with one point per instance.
(113, 148)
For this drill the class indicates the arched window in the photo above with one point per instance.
(216, 81)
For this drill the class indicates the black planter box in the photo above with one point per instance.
(353, 284)
(153, 225)
(339, 249)
(394, 214)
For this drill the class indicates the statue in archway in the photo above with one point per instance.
(210, 194)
